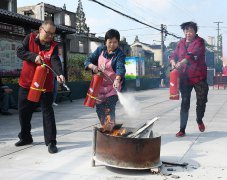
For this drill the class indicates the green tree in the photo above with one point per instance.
(220, 47)
(81, 26)
(75, 68)
(219, 63)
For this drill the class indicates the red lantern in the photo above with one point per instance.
(174, 84)
(37, 85)
(93, 90)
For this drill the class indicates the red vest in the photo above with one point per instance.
(29, 67)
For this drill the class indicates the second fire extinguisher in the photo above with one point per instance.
(174, 84)
(93, 90)
(37, 85)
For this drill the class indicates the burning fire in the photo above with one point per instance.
(110, 126)
(119, 132)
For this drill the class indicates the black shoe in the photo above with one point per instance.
(6, 113)
(23, 142)
(52, 148)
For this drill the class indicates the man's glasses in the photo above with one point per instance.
(48, 33)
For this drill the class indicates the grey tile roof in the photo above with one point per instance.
(22, 20)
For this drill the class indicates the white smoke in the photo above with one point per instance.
(130, 104)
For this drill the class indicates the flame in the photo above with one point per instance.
(109, 125)
(119, 132)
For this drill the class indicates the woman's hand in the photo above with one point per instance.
(181, 64)
(94, 68)
(173, 64)
(116, 83)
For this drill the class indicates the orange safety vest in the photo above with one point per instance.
(29, 67)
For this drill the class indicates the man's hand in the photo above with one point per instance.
(61, 79)
(39, 60)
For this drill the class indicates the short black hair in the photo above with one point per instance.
(48, 21)
(189, 24)
(112, 33)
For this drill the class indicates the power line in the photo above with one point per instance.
(134, 19)
(132, 29)
(130, 10)
(142, 35)
(142, 9)
(124, 9)
(181, 8)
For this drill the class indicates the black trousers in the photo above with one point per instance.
(201, 89)
(26, 109)
(106, 110)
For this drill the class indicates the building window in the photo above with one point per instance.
(28, 13)
(81, 47)
(49, 16)
(67, 20)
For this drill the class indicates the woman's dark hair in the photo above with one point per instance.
(190, 24)
(112, 33)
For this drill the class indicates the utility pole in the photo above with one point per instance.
(218, 39)
(162, 45)
(164, 32)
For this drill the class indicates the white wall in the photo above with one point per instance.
(67, 20)
(93, 46)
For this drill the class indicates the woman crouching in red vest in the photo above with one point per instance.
(29, 52)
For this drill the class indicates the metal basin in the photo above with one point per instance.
(127, 153)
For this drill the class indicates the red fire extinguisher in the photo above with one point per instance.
(93, 90)
(174, 84)
(37, 85)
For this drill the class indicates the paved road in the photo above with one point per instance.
(204, 152)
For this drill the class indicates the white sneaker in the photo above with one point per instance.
(55, 104)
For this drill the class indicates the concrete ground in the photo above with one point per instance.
(205, 152)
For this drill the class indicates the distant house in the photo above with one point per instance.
(76, 43)
(13, 28)
(154, 48)
(9, 5)
(210, 57)
(43, 11)
(137, 50)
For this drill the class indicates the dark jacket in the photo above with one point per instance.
(24, 54)
(118, 62)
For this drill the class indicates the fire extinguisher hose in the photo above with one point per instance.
(108, 78)
(68, 89)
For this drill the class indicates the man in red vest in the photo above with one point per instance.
(29, 52)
